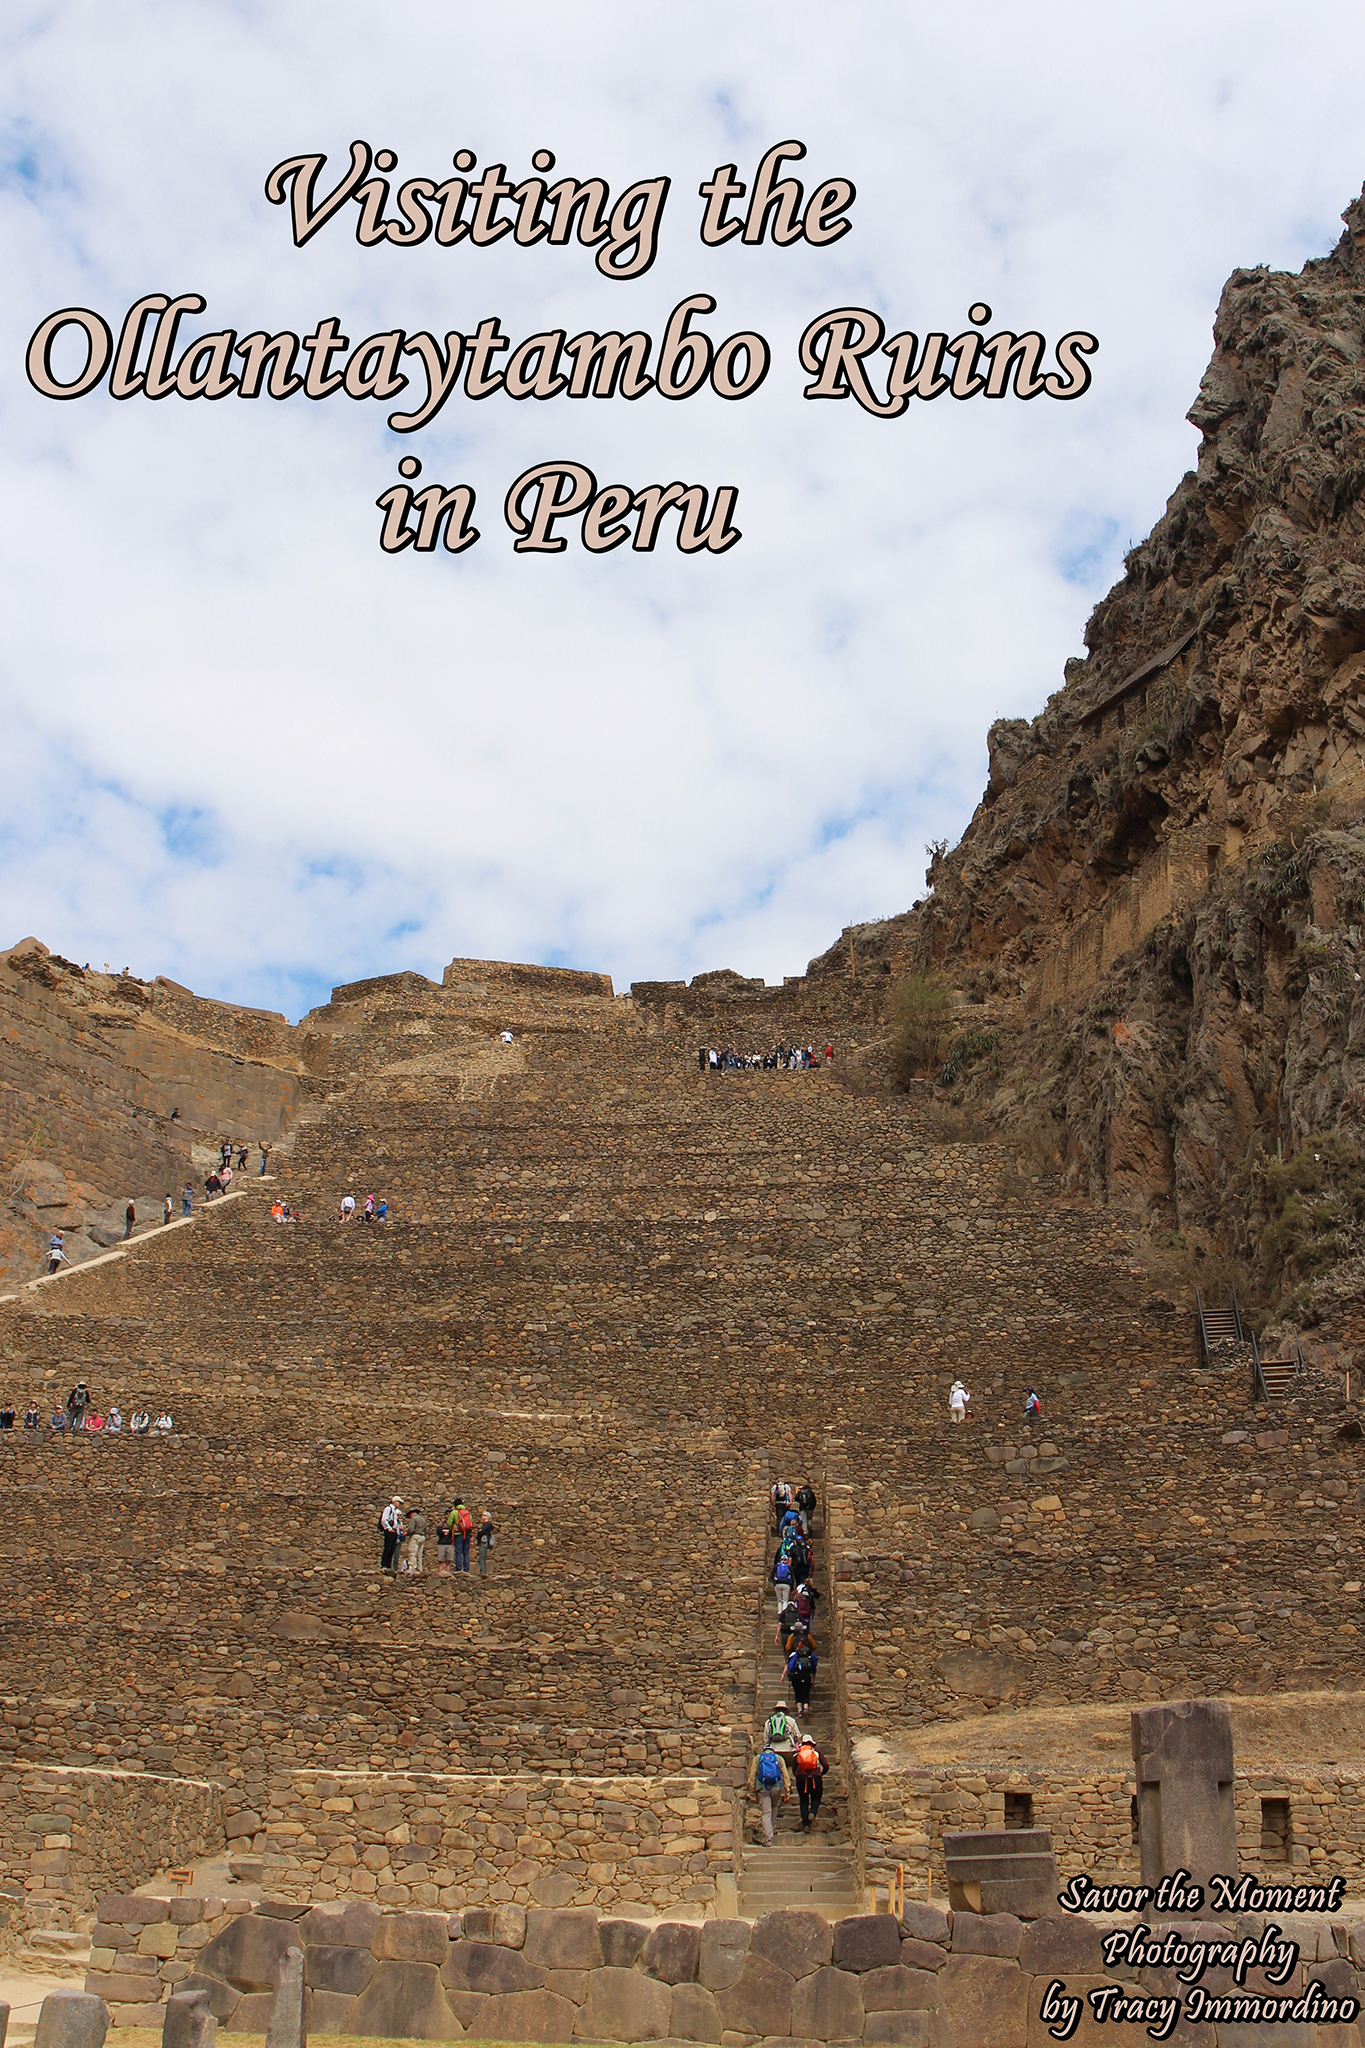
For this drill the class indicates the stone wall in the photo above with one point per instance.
(508, 1974)
(905, 1814)
(67, 1835)
(450, 1840)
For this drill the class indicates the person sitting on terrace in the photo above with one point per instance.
(163, 1424)
(139, 1422)
(113, 1423)
(94, 1420)
(33, 1418)
(7, 1416)
(58, 1422)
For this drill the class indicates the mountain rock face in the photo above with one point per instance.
(1155, 918)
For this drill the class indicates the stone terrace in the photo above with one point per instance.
(614, 1296)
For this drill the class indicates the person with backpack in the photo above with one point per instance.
(808, 1768)
(461, 1526)
(780, 1731)
(1033, 1407)
(782, 1579)
(769, 1777)
(805, 1500)
(801, 1668)
(798, 1558)
(392, 1531)
(781, 1498)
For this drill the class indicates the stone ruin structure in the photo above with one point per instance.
(614, 1299)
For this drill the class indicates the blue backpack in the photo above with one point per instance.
(769, 1771)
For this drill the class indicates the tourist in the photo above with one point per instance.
(241, 1158)
(798, 1559)
(391, 1528)
(139, 1422)
(801, 1666)
(166, 1209)
(368, 1216)
(187, 1199)
(506, 1037)
(485, 1541)
(781, 1499)
(94, 1421)
(113, 1423)
(787, 1620)
(58, 1423)
(1033, 1407)
(33, 1416)
(265, 1154)
(163, 1424)
(958, 1401)
(805, 1500)
(129, 1219)
(445, 1545)
(77, 1404)
(224, 1152)
(416, 1541)
(782, 1579)
(56, 1252)
(462, 1528)
(381, 1214)
(768, 1775)
(225, 1177)
(212, 1186)
(347, 1207)
(809, 1767)
(7, 1416)
(803, 1600)
(780, 1731)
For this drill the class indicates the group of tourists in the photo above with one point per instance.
(960, 1403)
(405, 1528)
(376, 1209)
(790, 1057)
(80, 1417)
(787, 1759)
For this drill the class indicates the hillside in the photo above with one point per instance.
(1152, 925)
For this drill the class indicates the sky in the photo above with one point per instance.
(247, 748)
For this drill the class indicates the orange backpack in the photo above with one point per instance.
(807, 1759)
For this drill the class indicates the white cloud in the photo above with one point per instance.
(247, 749)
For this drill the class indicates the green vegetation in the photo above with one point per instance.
(921, 1017)
(965, 1052)
(1316, 1205)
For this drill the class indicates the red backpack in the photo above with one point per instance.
(466, 1522)
(807, 1760)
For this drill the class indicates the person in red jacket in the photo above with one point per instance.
(809, 1767)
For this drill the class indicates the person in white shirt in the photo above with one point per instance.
(958, 1400)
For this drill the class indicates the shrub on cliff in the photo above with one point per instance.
(1316, 1203)
(921, 1020)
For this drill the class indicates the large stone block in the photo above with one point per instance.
(722, 1954)
(248, 1952)
(121, 1909)
(565, 1940)
(986, 1934)
(899, 1989)
(986, 1999)
(478, 1922)
(286, 2029)
(483, 1966)
(1182, 1761)
(118, 1987)
(252, 2013)
(622, 1941)
(509, 1926)
(905, 2029)
(570, 1984)
(325, 1925)
(796, 1940)
(327, 2012)
(528, 2016)
(1002, 1870)
(759, 2001)
(624, 2005)
(224, 1999)
(467, 2007)
(828, 2006)
(867, 1941)
(1058, 1948)
(405, 2000)
(345, 1970)
(693, 2014)
(160, 1940)
(71, 2019)
(672, 1951)
(412, 1938)
(1091, 2034)
(924, 1922)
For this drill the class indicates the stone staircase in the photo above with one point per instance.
(804, 1866)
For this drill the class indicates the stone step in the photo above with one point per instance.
(60, 1941)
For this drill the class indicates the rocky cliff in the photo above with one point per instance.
(1154, 923)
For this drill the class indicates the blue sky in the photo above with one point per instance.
(247, 749)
